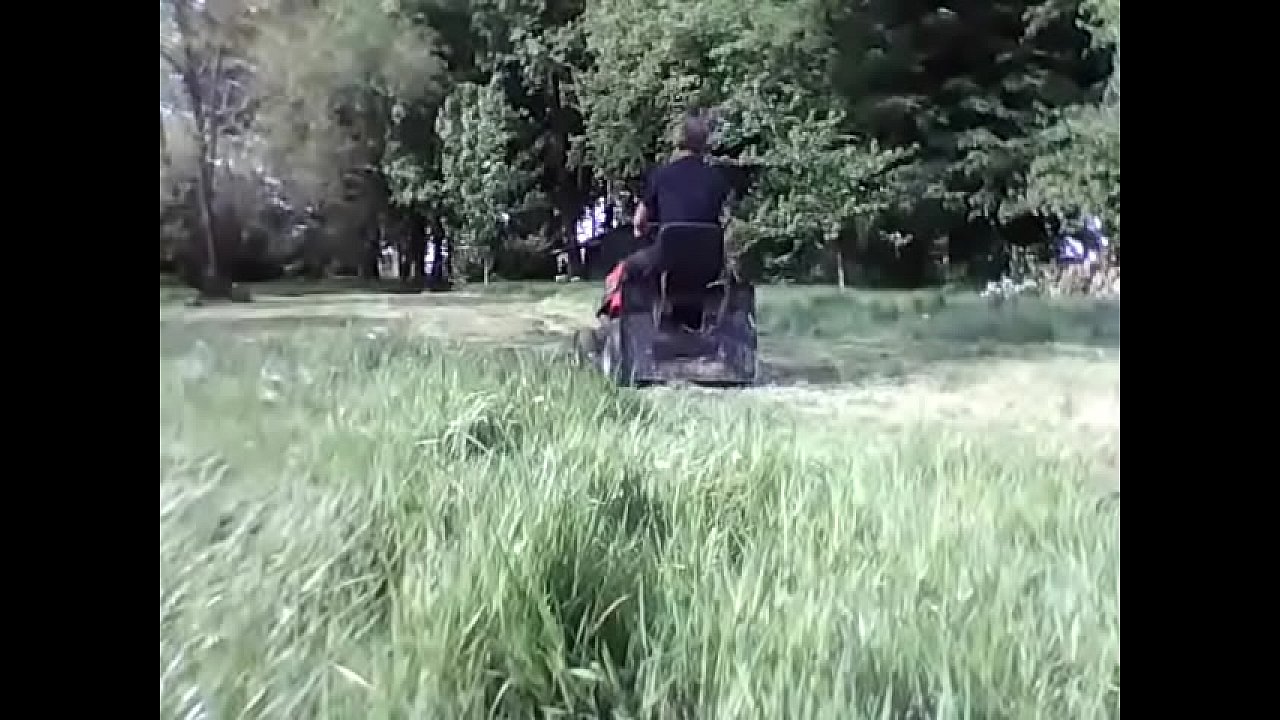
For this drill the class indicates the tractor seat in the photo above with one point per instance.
(691, 255)
(691, 262)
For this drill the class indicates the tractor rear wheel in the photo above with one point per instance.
(586, 347)
(614, 362)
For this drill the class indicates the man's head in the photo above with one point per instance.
(692, 133)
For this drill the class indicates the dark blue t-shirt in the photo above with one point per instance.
(686, 190)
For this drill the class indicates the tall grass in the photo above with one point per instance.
(356, 526)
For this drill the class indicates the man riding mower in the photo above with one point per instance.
(671, 311)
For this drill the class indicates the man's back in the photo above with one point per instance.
(686, 190)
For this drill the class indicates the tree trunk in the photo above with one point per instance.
(371, 268)
(831, 243)
(403, 252)
(577, 260)
(403, 269)
(418, 252)
(568, 204)
(610, 207)
(377, 191)
(441, 256)
(164, 143)
(569, 241)
(207, 146)
(204, 189)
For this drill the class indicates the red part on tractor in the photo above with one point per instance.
(684, 320)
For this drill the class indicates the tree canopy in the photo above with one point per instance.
(494, 120)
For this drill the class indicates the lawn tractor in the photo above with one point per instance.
(689, 320)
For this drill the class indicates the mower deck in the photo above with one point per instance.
(691, 321)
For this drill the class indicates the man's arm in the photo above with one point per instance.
(648, 207)
(640, 223)
(727, 197)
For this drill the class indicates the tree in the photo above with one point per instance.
(818, 188)
(856, 119)
(337, 78)
(480, 174)
(200, 42)
(764, 68)
(534, 50)
(1077, 168)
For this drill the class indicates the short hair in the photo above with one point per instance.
(693, 133)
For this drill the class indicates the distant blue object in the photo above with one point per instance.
(1087, 245)
(1070, 249)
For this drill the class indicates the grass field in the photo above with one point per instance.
(411, 506)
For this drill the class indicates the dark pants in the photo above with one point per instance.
(642, 264)
(639, 266)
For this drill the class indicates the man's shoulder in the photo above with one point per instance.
(690, 165)
(685, 172)
(658, 173)
(691, 161)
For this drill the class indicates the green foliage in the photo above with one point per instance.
(480, 177)
(1077, 168)
(653, 61)
(789, 217)
(862, 119)
(862, 116)
(330, 75)
(761, 68)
